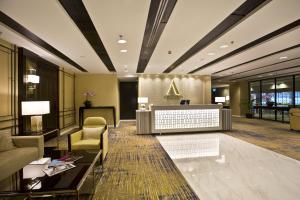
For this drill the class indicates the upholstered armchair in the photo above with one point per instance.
(294, 115)
(94, 135)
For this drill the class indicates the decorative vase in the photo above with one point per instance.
(88, 104)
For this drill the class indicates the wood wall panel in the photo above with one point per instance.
(5, 82)
(8, 90)
(67, 113)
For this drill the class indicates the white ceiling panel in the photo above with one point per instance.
(189, 22)
(291, 54)
(269, 18)
(281, 42)
(119, 17)
(49, 21)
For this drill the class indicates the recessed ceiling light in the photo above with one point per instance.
(283, 57)
(123, 50)
(210, 54)
(224, 46)
(121, 40)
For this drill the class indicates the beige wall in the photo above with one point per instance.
(195, 88)
(239, 98)
(67, 112)
(8, 88)
(106, 88)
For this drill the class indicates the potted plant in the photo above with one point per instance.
(249, 114)
(88, 103)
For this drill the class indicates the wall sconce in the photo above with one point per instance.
(31, 78)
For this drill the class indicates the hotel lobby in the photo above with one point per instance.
(150, 99)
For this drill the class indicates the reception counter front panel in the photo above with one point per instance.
(186, 118)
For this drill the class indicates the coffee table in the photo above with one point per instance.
(32, 182)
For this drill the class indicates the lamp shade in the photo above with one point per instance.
(35, 107)
(142, 99)
(30, 78)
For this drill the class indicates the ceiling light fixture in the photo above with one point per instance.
(123, 50)
(260, 76)
(283, 57)
(121, 40)
(270, 74)
(210, 54)
(224, 46)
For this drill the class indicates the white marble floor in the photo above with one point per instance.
(221, 167)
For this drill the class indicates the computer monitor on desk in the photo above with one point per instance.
(185, 102)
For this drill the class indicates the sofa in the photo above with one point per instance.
(94, 135)
(17, 152)
(294, 115)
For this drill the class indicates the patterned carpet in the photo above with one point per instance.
(271, 135)
(137, 167)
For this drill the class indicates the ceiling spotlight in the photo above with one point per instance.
(121, 40)
(283, 57)
(123, 50)
(224, 46)
(210, 54)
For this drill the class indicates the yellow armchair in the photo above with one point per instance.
(94, 135)
(294, 115)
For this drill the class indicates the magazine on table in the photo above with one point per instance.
(58, 168)
(70, 158)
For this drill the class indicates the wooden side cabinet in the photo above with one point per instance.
(143, 122)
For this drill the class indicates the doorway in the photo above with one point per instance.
(128, 99)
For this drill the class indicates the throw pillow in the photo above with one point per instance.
(6, 142)
(92, 133)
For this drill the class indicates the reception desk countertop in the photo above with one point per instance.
(186, 118)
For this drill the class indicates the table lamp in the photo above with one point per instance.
(142, 101)
(36, 109)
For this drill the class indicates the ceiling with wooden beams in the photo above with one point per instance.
(187, 23)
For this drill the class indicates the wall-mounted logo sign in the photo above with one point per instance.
(173, 91)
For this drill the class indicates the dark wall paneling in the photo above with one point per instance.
(256, 42)
(35, 39)
(47, 90)
(240, 14)
(158, 16)
(128, 99)
(81, 18)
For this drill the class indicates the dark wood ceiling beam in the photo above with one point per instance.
(240, 14)
(256, 42)
(9, 22)
(271, 71)
(158, 16)
(80, 16)
(254, 69)
(259, 58)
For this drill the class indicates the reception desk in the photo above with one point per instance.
(184, 118)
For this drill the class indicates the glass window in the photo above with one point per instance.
(297, 91)
(284, 97)
(255, 97)
(268, 99)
